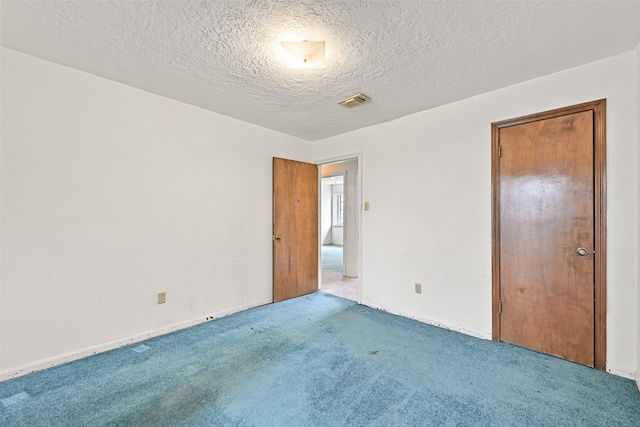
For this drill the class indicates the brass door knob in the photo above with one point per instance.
(276, 237)
(582, 251)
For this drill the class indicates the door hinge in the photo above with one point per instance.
(499, 307)
(499, 150)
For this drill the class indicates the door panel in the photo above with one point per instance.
(546, 212)
(295, 228)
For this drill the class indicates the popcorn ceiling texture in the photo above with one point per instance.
(408, 56)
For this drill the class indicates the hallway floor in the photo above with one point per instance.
(340, 286)
(333, 282)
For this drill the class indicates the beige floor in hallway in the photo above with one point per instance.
(341, 286)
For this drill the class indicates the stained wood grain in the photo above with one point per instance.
(295, 223)
(548, 200)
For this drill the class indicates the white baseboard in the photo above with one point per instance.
(620, 372)
(101, 348)
(612, 369)
(455, 328)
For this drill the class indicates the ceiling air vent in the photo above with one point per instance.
(354, 100)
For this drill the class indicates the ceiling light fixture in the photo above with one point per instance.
(304, 55)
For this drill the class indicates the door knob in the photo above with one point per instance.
(582, 251)
(276, 237)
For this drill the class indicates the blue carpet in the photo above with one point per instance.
(318, 360)
(332, 258)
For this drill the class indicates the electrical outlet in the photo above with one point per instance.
(418, 287)
(162, 297)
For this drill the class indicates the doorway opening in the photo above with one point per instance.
(339, 229)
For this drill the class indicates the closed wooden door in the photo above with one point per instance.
(546, 212)
(295, 229)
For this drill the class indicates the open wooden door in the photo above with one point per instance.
(295, 229)
(549, 233)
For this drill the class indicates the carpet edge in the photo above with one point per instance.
(28, 368)
(619, 372)
(454, 328)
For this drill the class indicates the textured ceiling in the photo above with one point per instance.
(408, 56)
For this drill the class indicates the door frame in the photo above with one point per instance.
(599, 163)
(355, 156)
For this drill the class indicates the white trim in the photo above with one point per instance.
(637, 376)
(454, 328)
(340, 159)
(100, 348)
(620, 372)
(319, 231)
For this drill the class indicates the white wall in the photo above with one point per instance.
(637, 375)
(428, 180)
(110, 195)
(337, 233)
(337, 236)
(325, 214)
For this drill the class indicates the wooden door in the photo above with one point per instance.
(548, 233)
(295, 229)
